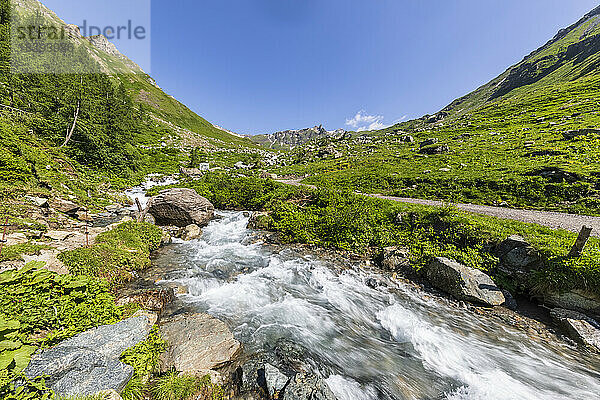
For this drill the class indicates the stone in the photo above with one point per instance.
(275, 379)
(578, 327)
(428, 142)
(197, 344)
(89, 363)
(15, 238)
(64, 206)
(38, 201)
(463, 283)
(396, 259)
(180, 207)
(408, 139)
(517, 256)
(50, 260)
(579, 300)
(148, 218)
(305, 386)
(432, 150)
(191, 232)
(155, 300)
(59, 236)
(110, 395)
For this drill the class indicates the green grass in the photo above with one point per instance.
(116, 253)
(15, 252)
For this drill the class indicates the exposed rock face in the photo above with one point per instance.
(180, 207)
(64, 206)
(197, 344)
(307, 387)
(293, 138)
(578, 327)
(396, 259)
(463, 283)
(432, 150)
(517, 257)
(579, 300)
(155, 300)
(89, 362)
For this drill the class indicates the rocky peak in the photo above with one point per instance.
(101, 43)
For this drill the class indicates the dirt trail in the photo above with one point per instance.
(554, 220)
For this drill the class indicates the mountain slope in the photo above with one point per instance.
(529, 138)
(66, 133)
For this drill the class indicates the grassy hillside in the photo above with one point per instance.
(526, 139)
(126, 125)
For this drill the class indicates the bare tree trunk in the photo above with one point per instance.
(70, 132)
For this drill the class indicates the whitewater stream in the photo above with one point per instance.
(386, 342)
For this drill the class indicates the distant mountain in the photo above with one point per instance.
(294, 138)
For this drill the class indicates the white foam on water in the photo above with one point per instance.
(372, 343)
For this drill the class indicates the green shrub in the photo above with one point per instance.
(116, 253)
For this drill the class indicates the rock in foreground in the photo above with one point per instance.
(578, 327)
(463, 283)
(89, 362)
(197, 344)
(180, 207)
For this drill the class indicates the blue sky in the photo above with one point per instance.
(259, 66)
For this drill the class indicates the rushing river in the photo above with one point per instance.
(388, 342)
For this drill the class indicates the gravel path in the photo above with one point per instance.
(554, 220)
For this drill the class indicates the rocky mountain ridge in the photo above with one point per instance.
(290, 139)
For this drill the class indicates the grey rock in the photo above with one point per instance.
(428, 142)
(38, 201)
(191, 232)
(304, 386)
(396, 259)
(89, 362)
(578, 327)
(180, 207)
(275, 379)
(197, 343)
(64, 206)
(463, 283)
(432, 150)
(517, 256)
(586, 302)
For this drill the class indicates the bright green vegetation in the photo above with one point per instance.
(126, 127)
(341, 219)
(14, 252)
(144, 360)
(176, 386)
(39, 308)
(116, 253)
(505, 140)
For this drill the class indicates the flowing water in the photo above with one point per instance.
(388, 342)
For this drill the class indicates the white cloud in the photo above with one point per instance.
(364, 122)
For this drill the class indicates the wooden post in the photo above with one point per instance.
(87, 232)
(4, 235)
(580, 243)
(140, 214)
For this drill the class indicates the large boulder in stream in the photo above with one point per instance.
(305, 386)
(180, 207)
(197, 344)
(463, 283)
(89, 362)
